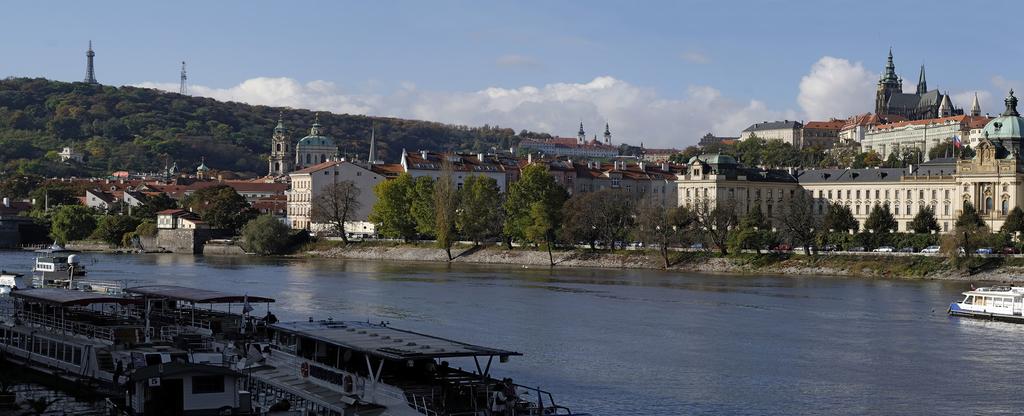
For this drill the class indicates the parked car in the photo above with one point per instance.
(930, 249)
(782, 247)
(983, 250)
(697, 245)
(884, 249)
(908, 250)
(857, 249)
(1010, 250)
(828, 247)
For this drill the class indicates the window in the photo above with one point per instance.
(988, 204)
(858, 209)
(858, 194)
(934, 193)
(886, 194)
(897, 210)
(920, 194)
(876, 194)
(207, 384)
(945, 209)
(847, 194)
(909, 209)
(947, 194)
(909, 195)
(1006, 207)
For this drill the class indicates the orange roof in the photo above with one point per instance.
(388, 169)
(825, 125)
(317, 167)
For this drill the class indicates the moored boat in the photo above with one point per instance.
(1003, 303)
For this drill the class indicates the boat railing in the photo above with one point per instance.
(182, 317)
(67, 327)
(550, 408)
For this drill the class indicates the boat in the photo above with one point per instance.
(1002, 303)
(56, 269)
(329, 367)
(13, 281)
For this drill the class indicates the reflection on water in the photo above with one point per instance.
(647, 342)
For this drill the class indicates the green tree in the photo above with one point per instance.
(662, 225)
(535, 184)
(72, 222)
(151, 205)
(479, 213)
(1014, 222)
(717, 222)
(840, 218)
(446, 201)
(968, 233)
(924, 222)
(265, 235)
(752, 233)
(543, 221)
(391, 212)
(880, 220)
(221, 207)
(112, 228)
(969, 217)
(799, 224)
(53, 195)
(421, 208)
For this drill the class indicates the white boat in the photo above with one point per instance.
(13, 281)
(1004, 303)
(55, 269)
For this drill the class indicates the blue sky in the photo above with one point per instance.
(660, 72)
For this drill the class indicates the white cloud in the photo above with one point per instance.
(517, 61)
(696, 57)
(636, 114)
(835, 87)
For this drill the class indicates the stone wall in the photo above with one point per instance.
(181, 241)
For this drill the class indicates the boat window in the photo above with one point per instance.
(207, 384)
(997, 302)
(968, 300)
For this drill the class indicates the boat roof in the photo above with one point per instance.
(194, 295)
(65, 297)
(176, 368)
(997, 291)
(385, 341)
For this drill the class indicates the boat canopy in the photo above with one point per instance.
(386, 342)
(188, 294)
(65, 297)
(175, 369)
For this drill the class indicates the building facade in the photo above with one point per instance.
(821, 134)
(922, 104)
(315, 148)
(787, 131)
(309, 183)
(923, 135)
(281, 160)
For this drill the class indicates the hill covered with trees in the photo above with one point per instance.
(141, 129)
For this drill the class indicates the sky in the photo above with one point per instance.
(661, 73)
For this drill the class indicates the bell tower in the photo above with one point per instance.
(280, 150)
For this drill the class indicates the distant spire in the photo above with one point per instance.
(922, 85)
(280, 123)
(581, 135)
(945, 107)
(315, 131)
(890, 69)
(1011, 105)
(975, 106)
(373, 144)
(90, 70)
(183, 88)
(607, 134)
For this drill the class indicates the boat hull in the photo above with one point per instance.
(955, 310)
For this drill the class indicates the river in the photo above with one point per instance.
(642, 342)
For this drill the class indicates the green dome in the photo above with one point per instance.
(714, 159)
(316, 141)
(1010, 125)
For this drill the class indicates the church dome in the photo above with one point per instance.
(316, 136)
(714, 159)
(1009, 125)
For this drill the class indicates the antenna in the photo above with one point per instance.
(183, 88)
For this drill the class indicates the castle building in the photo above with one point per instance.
(787, 131)
(922, 104)
(315, 148)
(280, 151)
(992, 181)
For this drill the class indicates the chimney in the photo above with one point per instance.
(480, 157)
(7, 202)
(423, 154)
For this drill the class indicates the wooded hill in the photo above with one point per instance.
(141, 129)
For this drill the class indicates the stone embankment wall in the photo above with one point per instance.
(182, 241)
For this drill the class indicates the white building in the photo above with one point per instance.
(788, 131)
(924, 135)
(424, 163)
(68, 153)
(308, 183)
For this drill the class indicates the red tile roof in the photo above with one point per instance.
(825, 125)
(969, 121)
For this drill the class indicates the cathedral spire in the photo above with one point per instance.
(890, 69)
(922, 85)
(581, 135)
(315, 131)
(1011, 105)
(975, 106)
(280, 123)
(607, 134)
(945, 106)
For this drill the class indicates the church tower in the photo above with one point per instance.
(975, 106)
(280, 151)
(581, 135)
(607, 135)
(888, 84)
(922, 85)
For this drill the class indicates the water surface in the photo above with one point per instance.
(615, 342)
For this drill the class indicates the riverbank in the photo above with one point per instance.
(1002, 269)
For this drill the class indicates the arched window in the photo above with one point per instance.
(277, 166)
(323, 158)
(309, 158)
(279, 147)
(1006, 206)
(945, 209)
(988, 204)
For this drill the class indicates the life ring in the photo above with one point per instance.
(304, 369)
(348, 384)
